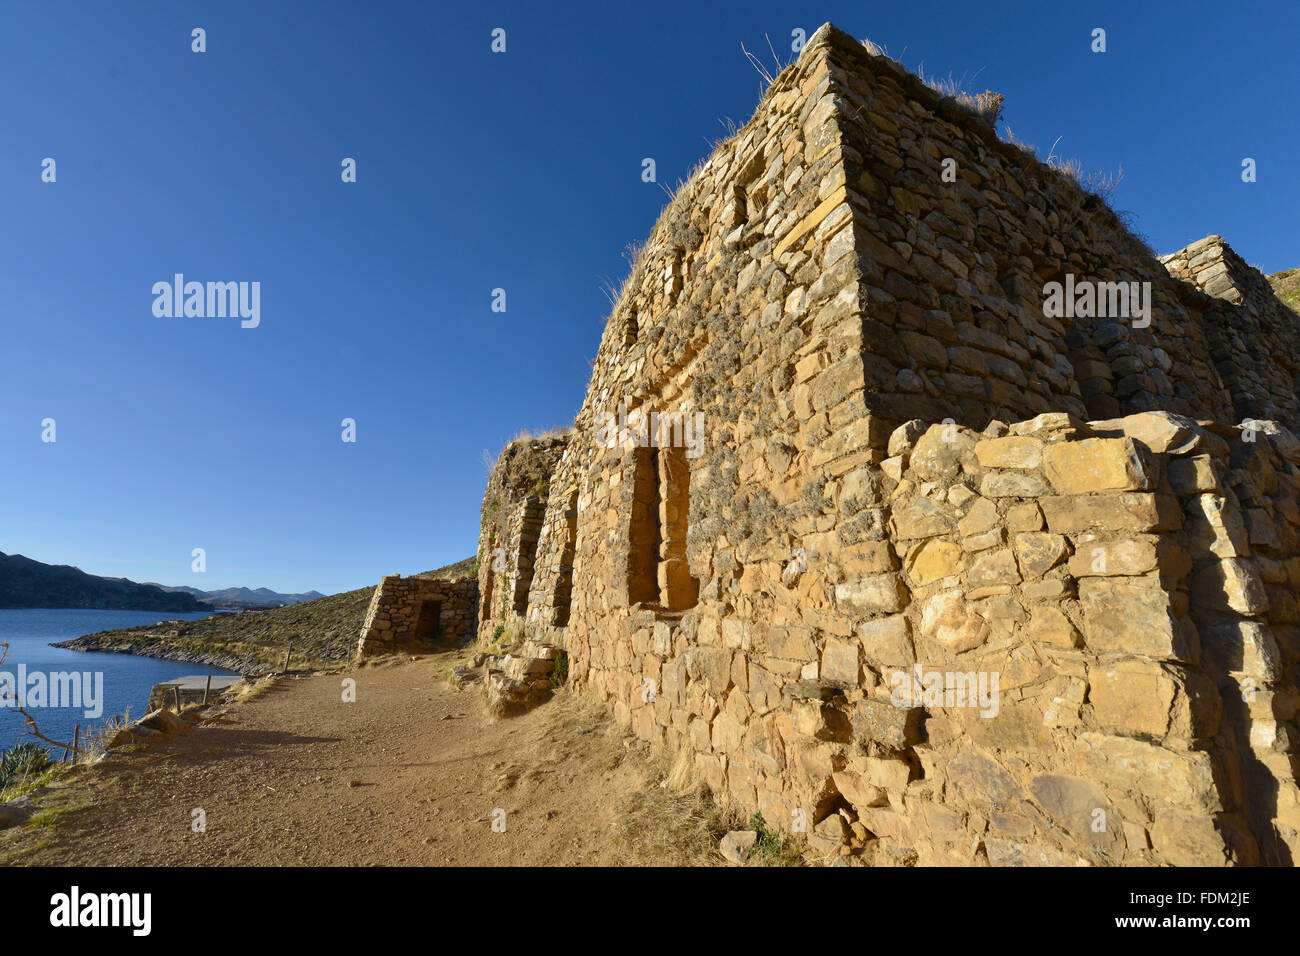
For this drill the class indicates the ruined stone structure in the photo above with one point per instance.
(520, 672)
(1252, 338)
(416, 615)
(902, 557)
(514, 504)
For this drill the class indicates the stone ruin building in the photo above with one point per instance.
(416, 615)
(897, 554)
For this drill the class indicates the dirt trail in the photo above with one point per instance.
(408, 774)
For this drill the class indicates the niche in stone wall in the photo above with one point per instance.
(678, 591)
(530, 526)
(489, 585)
(749, 194)
(658, 572)
(643, 530)
(564, 584)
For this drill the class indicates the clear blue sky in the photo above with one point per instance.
(475, 171)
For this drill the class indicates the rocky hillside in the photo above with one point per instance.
(28, 583)
(323, 632)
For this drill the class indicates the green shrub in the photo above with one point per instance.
(770, 847)
(560, 672)
(21, 762)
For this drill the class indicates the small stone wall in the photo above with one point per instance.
(415, 615)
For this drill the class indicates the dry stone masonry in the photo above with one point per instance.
(514, 504)
(1254, 337)
(417, 615)
(520, 673)
(933, 516)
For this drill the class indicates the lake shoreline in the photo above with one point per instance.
(120, 657)
(90, 644)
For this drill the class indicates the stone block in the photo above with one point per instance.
(819, 720)
(1132, 511)
(840, 664)
(993, 567)
(1024, 517)
(1132, 697)
(859, 791)
(1130, 556)
(982, 783)
(1160, 775)
(792, 643)
(1122, 618)
(1162, 432)
(876, 594)
(934, 559)
(1037, 552)
(922, 519)
(1079, 807)
(1230, 585)
(947, 618)
(1194, 475)
(1099, 465)
(1012, 484)
(880, 722)
(1184, 838)
(981, 516)
(1049, 625)
(712, 665)
(887, 641)
(1010, 452)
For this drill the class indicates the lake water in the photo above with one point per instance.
(126, 679)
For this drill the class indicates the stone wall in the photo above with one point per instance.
(416, 615)
(1143, 635)
(954, 273)
(514, 503)
(748, 582)
(1254, 336)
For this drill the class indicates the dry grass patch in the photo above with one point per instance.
(249, 689)
(580, 723)
(668, 818)
(672, 820)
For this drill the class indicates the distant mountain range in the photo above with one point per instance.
(25, 583)
(243, 597)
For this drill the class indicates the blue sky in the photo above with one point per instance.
(475, 171)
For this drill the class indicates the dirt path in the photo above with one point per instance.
(408, 774)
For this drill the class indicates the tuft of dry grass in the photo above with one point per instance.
(249, 689)
(527, 434)
(523, 435)
(97, 738)
(987, 105)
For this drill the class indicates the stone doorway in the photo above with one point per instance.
(428, 622)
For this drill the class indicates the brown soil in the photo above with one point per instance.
(409, 774)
